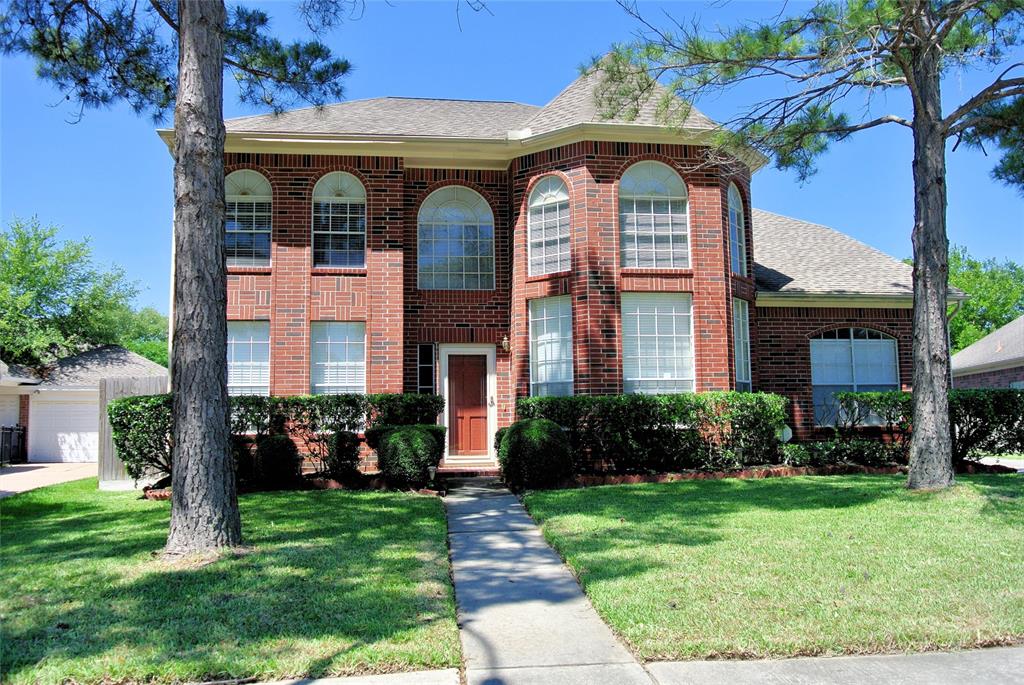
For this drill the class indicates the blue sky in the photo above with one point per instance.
(108, 177)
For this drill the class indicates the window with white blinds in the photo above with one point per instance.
(455, 241)
(657, 343)
(551, 346)
(850, 359)
(737, 232)
(337, 357)
(548, 227)
(741, 342)
(654, 228)
(339, 221)
(248, 212)
(248, 357)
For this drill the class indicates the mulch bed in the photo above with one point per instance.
(585, 481)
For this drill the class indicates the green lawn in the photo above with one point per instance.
(796, 566)
(336, 583)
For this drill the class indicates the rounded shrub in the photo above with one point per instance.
(535, 453)
(343, 455)
(406, 453)
(278, 463)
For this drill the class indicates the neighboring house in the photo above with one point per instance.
(59, 404)
(995, 361)
(488, 251)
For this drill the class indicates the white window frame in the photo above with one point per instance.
(244, 336)
(741, 343)
(444, 351)
(543, 311)
(854, 385)
(641, 383)
(550, 199)
(455, 208)
(653, 182)
(327, 334)
(339, 190)
(251, 189)
(737, 232)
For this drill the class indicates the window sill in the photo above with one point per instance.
(248, 270)
(549, 277)
(339, 271)
(656, 271)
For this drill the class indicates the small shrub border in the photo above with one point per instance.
(982, 422)
(663, 433)
(325, 426)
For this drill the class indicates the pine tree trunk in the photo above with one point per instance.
(204, 505)
(931, 462)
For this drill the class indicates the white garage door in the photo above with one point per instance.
(63, 430)
(8, 410)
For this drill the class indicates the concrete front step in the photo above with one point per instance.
(468, 468)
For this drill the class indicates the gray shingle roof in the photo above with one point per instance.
(793, 256)
(478, 119)
(88, 368)
(394, 116)
(1002, 346)
(577, 104)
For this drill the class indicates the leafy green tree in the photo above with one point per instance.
(54, 300)
(813, 64)
(996, 292)
(145, 333)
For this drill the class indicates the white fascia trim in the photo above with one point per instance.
(985, 368)
(764, 299)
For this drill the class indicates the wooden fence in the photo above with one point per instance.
(112, 473)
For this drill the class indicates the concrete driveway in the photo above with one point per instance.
(22, 477)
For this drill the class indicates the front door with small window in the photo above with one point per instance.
(467, 390)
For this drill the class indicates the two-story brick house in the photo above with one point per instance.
(486, 251)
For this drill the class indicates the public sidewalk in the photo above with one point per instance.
(522, 615)
(23, 477)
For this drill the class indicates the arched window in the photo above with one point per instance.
(850, 359)
(339, 221)
(737, 232)
(455, 241)
(653, 227)
(548, 227)
(247, 218)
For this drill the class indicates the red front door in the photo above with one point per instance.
(467, 394)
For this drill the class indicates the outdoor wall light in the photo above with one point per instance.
(506, 344)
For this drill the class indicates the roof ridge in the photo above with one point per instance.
(383, 97)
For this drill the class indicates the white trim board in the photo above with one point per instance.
(444, 350)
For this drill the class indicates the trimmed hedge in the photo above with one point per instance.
(141, 431)
(535, 453)
(657, 433)
(406, 454)
(982, 422)
(324, 426)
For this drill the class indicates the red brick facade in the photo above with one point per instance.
(781, 350)
(1000, 378)
(291, 293)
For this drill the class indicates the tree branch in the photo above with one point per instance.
(997, 90)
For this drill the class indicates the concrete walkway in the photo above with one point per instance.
(22, 477)
(522, 615)
(997, 665)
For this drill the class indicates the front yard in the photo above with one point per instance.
(335, 583)
(796, 566)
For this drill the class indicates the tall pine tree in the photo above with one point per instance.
(816, 62)
(157, 55)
